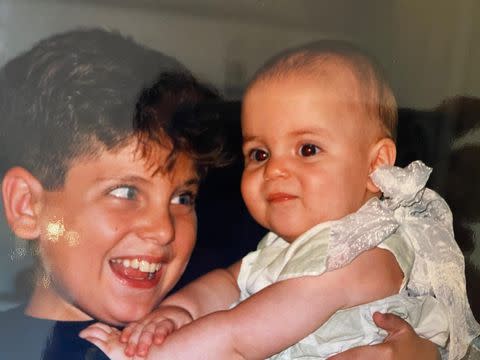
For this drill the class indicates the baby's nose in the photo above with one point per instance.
(275, 168)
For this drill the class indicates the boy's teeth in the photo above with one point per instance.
(142, 265)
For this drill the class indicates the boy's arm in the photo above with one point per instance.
(284, 313)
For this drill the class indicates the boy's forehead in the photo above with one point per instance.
(163, 160)
(132, 158)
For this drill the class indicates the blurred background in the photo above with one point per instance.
(428, 48)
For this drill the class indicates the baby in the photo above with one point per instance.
(350, 234)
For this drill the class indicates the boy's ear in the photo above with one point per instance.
(22, 194)
(383, 152)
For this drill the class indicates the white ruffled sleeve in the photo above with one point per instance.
(439, 269)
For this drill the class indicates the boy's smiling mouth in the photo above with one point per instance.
(137, 272)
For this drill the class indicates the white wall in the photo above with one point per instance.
(435, 47)
(212, 48)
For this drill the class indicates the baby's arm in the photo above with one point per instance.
(283, 313)
(212, 292)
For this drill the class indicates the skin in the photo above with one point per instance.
(308, 154)
(111, 207)
(401, 343)
(297, 174)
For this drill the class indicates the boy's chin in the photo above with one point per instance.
(122, 317)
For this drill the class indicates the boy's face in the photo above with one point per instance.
(307, 151)
(116, 238)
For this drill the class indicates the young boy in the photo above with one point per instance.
(101, 177)
(317, 122)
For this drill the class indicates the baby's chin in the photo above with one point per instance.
(289, 236)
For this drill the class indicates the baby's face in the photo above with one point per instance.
(116, 238)
(307, 152)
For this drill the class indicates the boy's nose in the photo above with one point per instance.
(158, 227)
(275, 168)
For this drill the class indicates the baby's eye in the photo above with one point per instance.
(308, 150)
(258, 155)
(125, 192)
(185, 198)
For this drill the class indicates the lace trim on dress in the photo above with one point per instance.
(424, 218)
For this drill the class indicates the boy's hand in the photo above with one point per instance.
(153, 329)
(401, 343)
(107, 339)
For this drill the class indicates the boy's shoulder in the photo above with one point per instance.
(25, 337)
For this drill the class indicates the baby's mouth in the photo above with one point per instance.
(136, 269)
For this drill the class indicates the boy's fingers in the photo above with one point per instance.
(390, 323)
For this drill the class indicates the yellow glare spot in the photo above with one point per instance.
(46, 281)
(55, 229)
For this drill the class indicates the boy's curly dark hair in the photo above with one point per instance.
(76, 94)
(180, 112)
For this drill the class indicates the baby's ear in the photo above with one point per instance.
(22, 194)
(383, 152)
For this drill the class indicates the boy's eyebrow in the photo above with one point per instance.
(135, 178)
(193, 181)
(126, 178)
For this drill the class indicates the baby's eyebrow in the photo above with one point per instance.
(310, 131)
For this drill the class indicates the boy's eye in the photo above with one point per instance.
(258, 155)
(124, 192)
(186, 198)
(308, 150)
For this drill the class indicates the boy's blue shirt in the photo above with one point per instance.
(25, 338)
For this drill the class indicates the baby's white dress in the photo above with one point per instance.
(411, 222)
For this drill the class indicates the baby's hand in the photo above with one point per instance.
(107, 339)
(153, 329)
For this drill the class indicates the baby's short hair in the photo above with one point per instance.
(76, 94)
(308, 60)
